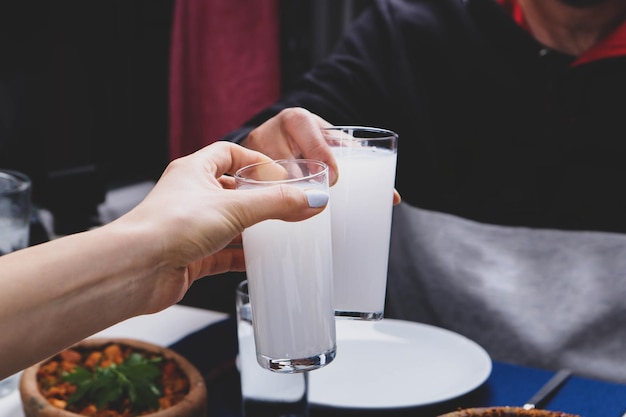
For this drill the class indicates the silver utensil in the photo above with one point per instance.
(550, 387)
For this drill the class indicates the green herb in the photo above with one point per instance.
(136, 379)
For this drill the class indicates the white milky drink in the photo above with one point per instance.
(361, 210)
(264, 393)
(289, 271)
(258, 383)
(288, 265)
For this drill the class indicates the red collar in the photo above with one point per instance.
(613, 45)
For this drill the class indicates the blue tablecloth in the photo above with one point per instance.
(214, 348)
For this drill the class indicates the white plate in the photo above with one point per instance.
(395, 364)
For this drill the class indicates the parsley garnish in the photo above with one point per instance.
(136, 379)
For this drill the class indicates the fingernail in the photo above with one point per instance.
(316, 198)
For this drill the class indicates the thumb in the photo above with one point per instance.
(282, 202)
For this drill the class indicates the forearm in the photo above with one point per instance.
(90, 281)
(57, 293)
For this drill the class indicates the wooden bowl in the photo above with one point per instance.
(506, 412)
(193, 405)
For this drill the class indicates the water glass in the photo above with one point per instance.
(265, 393)
(289, 271)
(361, 210)
(15, 208)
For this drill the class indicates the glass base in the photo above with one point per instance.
(297, 365)
(357, 315)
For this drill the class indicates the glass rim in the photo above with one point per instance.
(19, 181)
(323, 171)
(240, 286)
(385, 133)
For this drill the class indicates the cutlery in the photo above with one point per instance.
(549, 388)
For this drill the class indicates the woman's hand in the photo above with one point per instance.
(195, 217)
(186, 228)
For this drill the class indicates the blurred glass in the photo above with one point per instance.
(15, 209)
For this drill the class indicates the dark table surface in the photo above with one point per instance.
(213, 350)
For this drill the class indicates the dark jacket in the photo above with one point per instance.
(493, 126)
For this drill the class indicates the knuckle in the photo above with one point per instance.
(294, 117)
(288, 195)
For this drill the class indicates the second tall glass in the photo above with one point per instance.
(289, 271)
(361, 209)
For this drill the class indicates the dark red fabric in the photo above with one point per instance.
(224, 67)
(613, 45)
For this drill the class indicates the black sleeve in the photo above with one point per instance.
(351, 86)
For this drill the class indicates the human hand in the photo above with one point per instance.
(296, 133)
(293, 133)
(195, 216)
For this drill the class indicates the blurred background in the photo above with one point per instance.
(86, 87)
(96, 97)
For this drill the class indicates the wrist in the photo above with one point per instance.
(149, 262)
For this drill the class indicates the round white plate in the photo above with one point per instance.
(395, 364)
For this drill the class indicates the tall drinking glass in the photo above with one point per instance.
(289, 271)
(265, 393)
(15, 207)
(361, 209)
